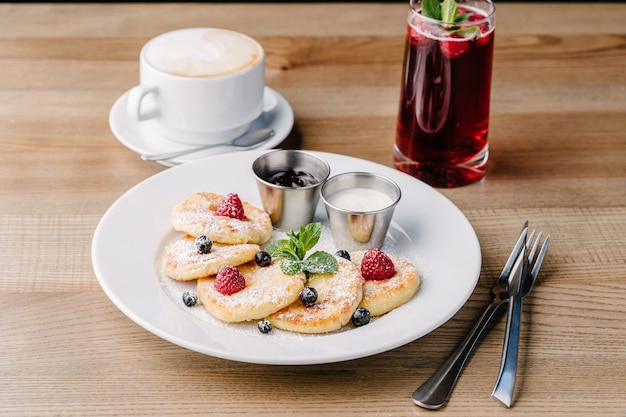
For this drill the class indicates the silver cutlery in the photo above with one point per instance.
(247, 141)
(435, 392)
(505, 383)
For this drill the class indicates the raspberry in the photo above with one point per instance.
(454, 49)
(483, 39)
(230, 206)
(376, 265)
(229, 280)
(415, 36)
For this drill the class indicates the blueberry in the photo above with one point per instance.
(343, 254)
(262, 258)
(190, 299)
(203, 244)
(361, 317)
(308, 296)
(264, 326)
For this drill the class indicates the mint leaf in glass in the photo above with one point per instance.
(432, 9)
(467, 32)
(447, 11)
(460, 18)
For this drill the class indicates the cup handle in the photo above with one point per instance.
(136, 97)
(269, 101)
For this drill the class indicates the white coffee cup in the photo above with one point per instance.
(199, 85)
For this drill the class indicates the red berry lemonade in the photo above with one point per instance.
(443, 118)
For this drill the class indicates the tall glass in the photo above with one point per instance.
(443, 120)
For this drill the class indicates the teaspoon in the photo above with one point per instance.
(248, 140)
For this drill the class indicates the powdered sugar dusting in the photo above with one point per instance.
(197, 216)
(338, 296)
(183, 261)
(263, 286)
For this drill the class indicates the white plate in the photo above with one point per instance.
(141, 137)
(427, 229)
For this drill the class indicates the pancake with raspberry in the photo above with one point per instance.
(389, 281)
(264, 291)
(225, 219)
(184, 262)
(338, 296)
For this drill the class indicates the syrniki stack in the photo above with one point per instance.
(237, 281)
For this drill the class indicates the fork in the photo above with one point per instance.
(505, 383)
(434, 393)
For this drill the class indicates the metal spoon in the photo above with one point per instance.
(248, 140)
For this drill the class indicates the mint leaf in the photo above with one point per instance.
(448, 11)
(298, 244)
(445, 11)
(282, 249)
(320, 262)
(294, 244)
(432, 9)
(292, 251)
(309, 235)
(460, 18)
(291, 267)
(467, 32)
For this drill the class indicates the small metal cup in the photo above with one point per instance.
(365, 227)
(289, 207)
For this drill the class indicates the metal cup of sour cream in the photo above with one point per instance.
(359, 206)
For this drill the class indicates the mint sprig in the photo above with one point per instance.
(446, 11)
(292, 252)
(432, 9)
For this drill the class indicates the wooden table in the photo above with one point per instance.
(558, 159)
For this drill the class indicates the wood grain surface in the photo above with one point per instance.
(558, 159)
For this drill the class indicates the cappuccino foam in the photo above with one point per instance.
(203, 53)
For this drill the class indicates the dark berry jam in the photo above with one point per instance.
(291, 178)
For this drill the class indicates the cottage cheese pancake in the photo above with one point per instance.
(183, 262)
(339, 295)
(196, 216)
(267, 290)
(382, 296)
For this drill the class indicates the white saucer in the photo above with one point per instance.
(142, 138)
